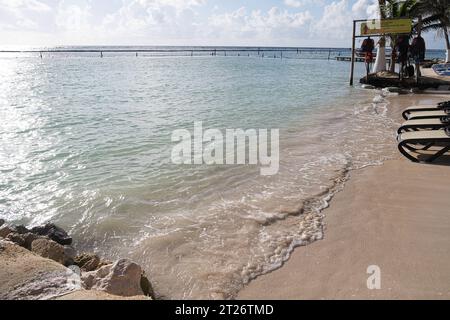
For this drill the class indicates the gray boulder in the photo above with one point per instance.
(146, 286)
(123, 278)
(23, 240)
(87, 262)
(5, 231)
(21, 229)
(49, 249)
(16, 238)
(69, 255)
(54, 232)
(26, 276)
(29, 238)
(2, 222)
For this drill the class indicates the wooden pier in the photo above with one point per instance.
(349, 59)
(428, 80)
(357, 59)
(268, 52)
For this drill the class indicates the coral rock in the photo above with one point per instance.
(23, 240)
(26, 276)
(21, 229)
(47, 248)
(16, 238)
(123, 278)
(87, 262)
(5, 231)
(53, 232)
(69, 255)
(146, 286)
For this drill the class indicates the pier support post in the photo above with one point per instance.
(352, 71)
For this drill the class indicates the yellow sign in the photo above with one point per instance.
(388, 26)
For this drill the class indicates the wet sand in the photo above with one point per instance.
(395, 216)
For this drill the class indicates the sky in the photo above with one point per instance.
(297, 23)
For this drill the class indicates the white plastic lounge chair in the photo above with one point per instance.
(442, 69)
(424, 124)
(429, 114)
(440, 106)
(424, 146)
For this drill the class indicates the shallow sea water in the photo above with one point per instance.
(86, 143)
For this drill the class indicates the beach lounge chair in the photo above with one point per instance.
(429, 114)
(424, 146)
(442, 69)
(424, 124)
(440, 106)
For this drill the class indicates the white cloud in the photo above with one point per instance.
(335, 25)
(301, 3)
(180, 22)
(21, 14)
(156, 21)
(256, 25)
(18, 5)
(293, 3)
(73, 18)
(335, 19)
(366, 9)
(179, 5)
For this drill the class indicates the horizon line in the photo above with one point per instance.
(51, 48)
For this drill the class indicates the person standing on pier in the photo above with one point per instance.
(418, 49)
(367, 48)
(380, 63)
(403, 50)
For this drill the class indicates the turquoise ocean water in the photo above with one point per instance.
(85, 142)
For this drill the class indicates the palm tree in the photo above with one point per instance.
(437, 17)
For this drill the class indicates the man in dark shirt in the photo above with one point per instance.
(403, 49)
(418, 50)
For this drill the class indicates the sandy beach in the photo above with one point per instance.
(395, 216)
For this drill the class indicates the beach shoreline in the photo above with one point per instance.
(390, 217)
(393, 217)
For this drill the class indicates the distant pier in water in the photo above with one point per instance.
(357, 59)
(261, 52)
